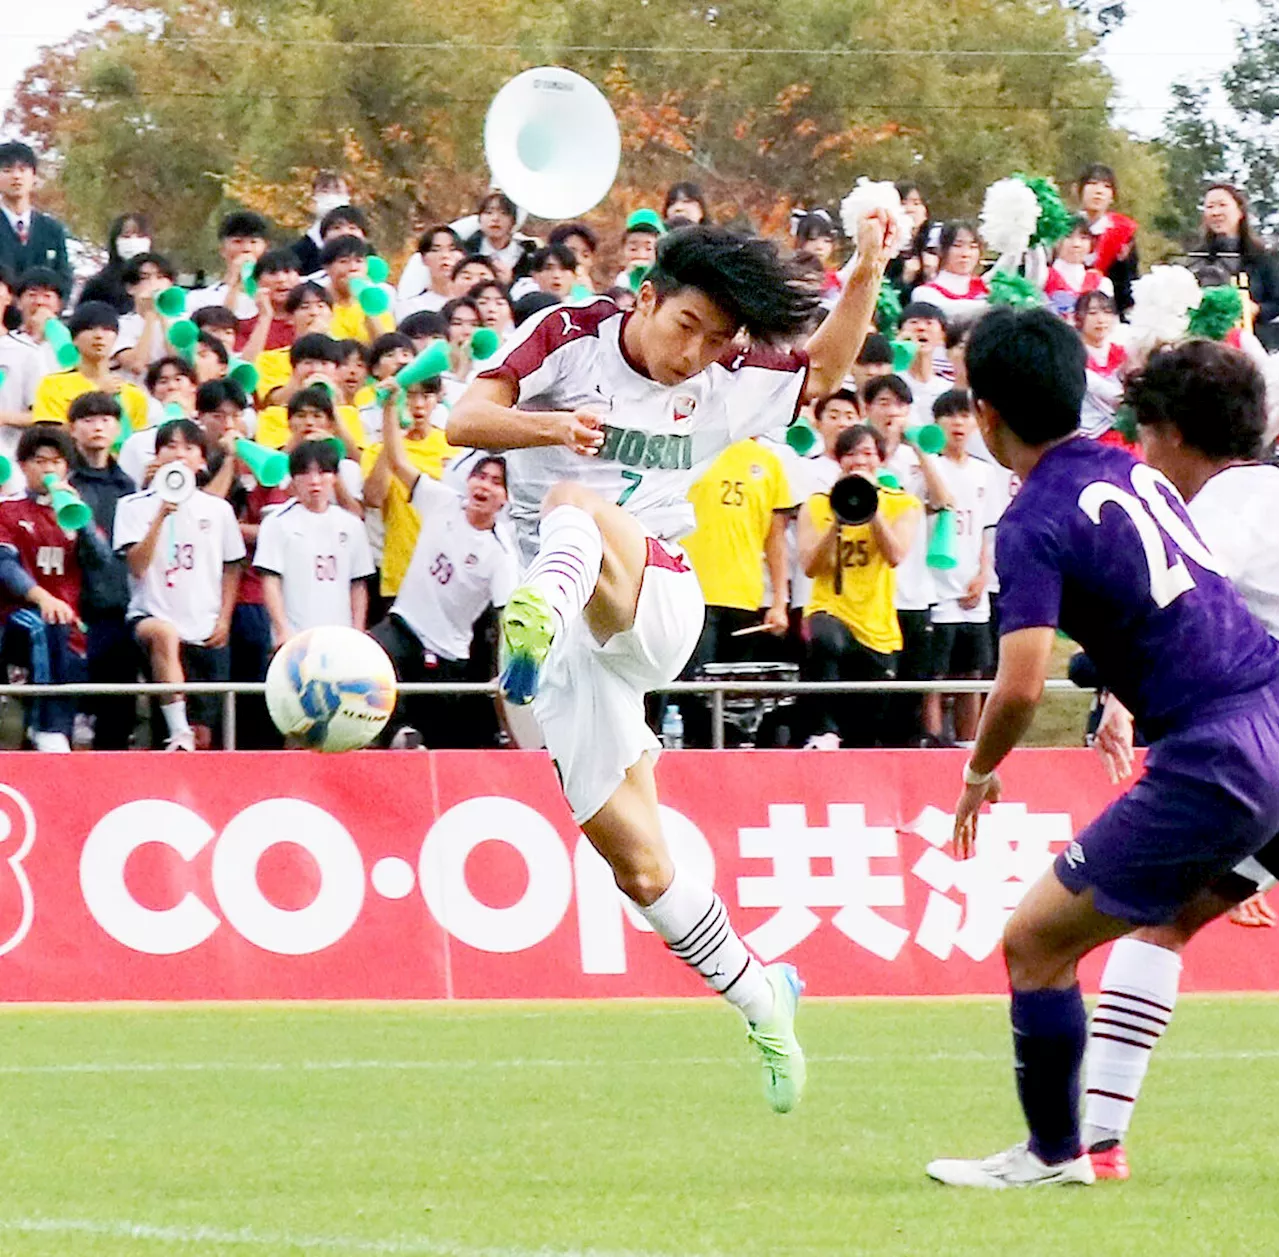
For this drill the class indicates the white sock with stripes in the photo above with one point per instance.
(695, 924)
(567, 566)
(1136, 999)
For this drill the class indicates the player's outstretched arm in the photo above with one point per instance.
(485, 418)
(834, 346)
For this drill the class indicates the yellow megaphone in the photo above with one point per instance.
(552, 142)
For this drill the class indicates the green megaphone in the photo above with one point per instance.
(171, 301)
(69, 507)
(372, 299)
(904, 354)
(942, 544)
(484, 343)
(269, 467)
(580, 292)
(887, 480)
(376, 269)
(637, 275)
(64, 351)
(247, 280)
(927, 437)
(126, 431)
(244, 373)
(801, 437)
(6, 469)
(183, 335)
(431, 362)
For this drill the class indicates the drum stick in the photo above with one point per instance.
(751, 628)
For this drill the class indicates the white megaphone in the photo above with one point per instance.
(552, 142)
(175, 482)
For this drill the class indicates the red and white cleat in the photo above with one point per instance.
(1109, 1161)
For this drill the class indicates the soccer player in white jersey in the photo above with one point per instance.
(1201, 411)
(610, 417)
(183, 575)
(313, 555)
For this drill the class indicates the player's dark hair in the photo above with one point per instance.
(886, 384)
(875, 350)
(313, 397)
(217, 318)
(315, 347)
(41, 436)
(40, 277)
(840, 395)
(1214, 395)
(89, 315)
(385, 344)
(131, 271)
(275, 262)
(90, 405)
(1028, 365)
(427, 239)
(186, 429)
(955, 401)
(183, 367)
(565, 232)
(423, 324)
(344, 215)
(244, 224)
(742, 275)
(853, 436)
(924, 310)
(343, 247)
(308, 288)
(215, 347)
(314, 456)
(214, 393)
(489, 460)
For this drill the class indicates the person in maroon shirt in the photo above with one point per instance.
(40, 571)
(276, 274)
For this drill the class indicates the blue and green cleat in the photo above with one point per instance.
(780, 1050)
(528, 629)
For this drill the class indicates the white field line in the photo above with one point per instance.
(282, 1242)
(537, 1062)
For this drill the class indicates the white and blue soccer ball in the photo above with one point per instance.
(333, 688)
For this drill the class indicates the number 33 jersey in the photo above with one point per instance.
(657, 438)
(1101, 546)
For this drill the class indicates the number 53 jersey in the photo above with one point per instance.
(657, 438)
(1100, 545)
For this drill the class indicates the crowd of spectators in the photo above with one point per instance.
(107, 379)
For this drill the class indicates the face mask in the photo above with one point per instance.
(131, 246)
(327, 201)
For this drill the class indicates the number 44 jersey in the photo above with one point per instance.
(657, 438)
(1101, 546)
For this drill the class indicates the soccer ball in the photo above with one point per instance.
(332, 687)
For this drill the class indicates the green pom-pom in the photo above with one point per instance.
(1014, 290)
(1126, 423)
(888, 309)
(1055, 219)
(1220, 310)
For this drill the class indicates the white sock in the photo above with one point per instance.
(175, 716)
(570, 551)
(695, 924)
(1136, 998)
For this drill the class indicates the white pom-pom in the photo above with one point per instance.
(1162, 302)
(1009, 215)
(867, 196)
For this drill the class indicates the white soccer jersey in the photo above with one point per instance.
(183, 584)
(658, 439)
(136, 454)
(1236, 512)
(456, 571)
(913, 583)
(923, 394)
(216, 295)
(316, 555)
(979, 502)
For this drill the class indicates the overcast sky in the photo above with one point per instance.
(1160, 42)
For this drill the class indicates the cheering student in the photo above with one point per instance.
(1114, 250)
(313, 555)
(242, 237)
(925, 327)
(1070, 278)
(345, 258)
(329, 192)
(272, 325)
(640, 238)
(184, 567)
(309, 308)
(25, 357)
(314, 360)
(427, 281)
(610, 607)
(957, 289)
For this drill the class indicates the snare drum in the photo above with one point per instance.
(744, 714)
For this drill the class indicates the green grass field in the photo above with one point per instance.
(515, 1130)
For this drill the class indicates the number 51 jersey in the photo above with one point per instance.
(1101, 546)
(657, 438)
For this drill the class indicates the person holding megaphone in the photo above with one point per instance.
(851, 540)
(360, 307)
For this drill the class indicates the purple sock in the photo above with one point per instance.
(1049, 1034)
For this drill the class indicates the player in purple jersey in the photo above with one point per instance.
(1100, 546)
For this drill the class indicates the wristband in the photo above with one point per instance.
(972, 778)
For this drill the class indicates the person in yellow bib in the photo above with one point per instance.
(850, 618)
(93, 328)
(310, 308)
(344, 259)
(427, 450)
(312, 357)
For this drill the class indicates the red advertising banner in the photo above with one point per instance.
(456, 874)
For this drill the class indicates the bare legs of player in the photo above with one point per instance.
(164, 650)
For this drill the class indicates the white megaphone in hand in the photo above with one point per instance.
(552, 142)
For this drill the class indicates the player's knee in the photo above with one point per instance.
(643, 879)
(1172, 937)
(1029, 967)
(567, 493)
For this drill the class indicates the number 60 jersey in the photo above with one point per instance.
(1101, 546)
(657, 438)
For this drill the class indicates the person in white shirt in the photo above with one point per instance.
(924, 326)
(498, 239)
(427, 281)
(184, 569)
(313, 555)
(460, 567)
(242, 237)
(962, 611)
(25, 359)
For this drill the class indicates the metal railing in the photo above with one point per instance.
(717, 690)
